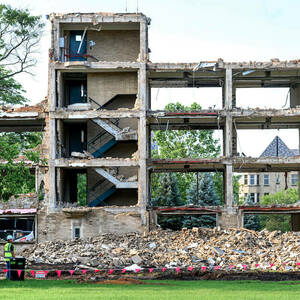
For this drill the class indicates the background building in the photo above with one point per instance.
(256, 185)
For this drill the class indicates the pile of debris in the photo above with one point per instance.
(163, 248)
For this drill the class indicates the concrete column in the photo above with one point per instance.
(234, 141)
(295, 222)
(223, 97)
(295, 95)
(228, 212)
(60, 138)
(233, 96)
(55, 39)
(60, 90)
(228, 88)
(228, 187)
(52, 88)
(299, 172)
(143, 180)
(52, 172)
(144, 40)
(228, 107)
(230, 219)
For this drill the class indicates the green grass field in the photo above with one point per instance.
(171, 289)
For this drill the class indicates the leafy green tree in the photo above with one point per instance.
(81, 189)
(20, 35)
(19, 38)
(184, 144)
(15, 177)
(288, 196)
(278, 222)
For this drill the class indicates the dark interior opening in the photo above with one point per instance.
(75, 88)
(21, 228)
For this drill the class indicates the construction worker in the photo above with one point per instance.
(9, 253)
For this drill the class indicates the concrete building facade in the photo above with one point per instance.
(253, 186)
(98, 122)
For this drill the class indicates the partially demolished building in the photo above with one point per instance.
(98, 123)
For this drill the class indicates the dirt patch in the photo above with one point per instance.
(126, 281)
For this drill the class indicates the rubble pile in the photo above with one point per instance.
(163, 248)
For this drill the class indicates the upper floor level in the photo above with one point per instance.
(99, 37)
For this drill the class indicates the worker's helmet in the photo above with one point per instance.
(10, 237)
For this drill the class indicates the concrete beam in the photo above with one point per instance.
(239, 164)
(94, 114)
(94, 163)
(89, 66)
(97, 18)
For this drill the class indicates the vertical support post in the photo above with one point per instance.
(228, 187)
(197, 190)
(228, 183)
(228, 108)
(233, 96)
(299, 172)
(52, 171)
(37, 178)
(228, 88)
(143, 145)
(143, 40)
(59, 89)
(52, 88)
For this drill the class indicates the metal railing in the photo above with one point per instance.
(101, 138)
(102, 188)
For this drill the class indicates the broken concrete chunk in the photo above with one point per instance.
(174, 248)
(133, 267)
(218, 251)
(136, 259)
(211, 261)
(152, 245)
(78, 154)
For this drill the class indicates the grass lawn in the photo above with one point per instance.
(217, 290)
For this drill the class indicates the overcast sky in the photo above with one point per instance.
(193, 31)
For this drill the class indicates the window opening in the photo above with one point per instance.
(294, 179)
(266, 179)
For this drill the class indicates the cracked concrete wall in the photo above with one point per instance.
(58, 225)
(102, 87)
(114, 45)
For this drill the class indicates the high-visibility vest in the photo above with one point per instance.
(7, 251)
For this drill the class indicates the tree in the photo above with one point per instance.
(218, 182)
(19, 38)
(184, 144)
(203, 195)
(168, 195)
(278, 222)
(251, 222)
(15, 177)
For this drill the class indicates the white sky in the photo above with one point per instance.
(193, 31)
